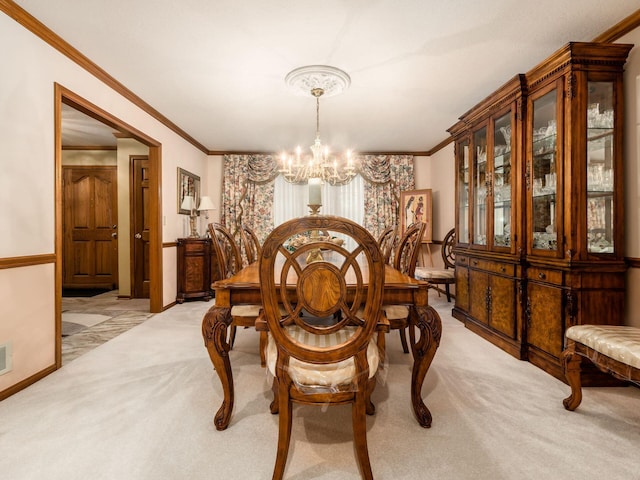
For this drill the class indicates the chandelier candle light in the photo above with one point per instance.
(320, 166)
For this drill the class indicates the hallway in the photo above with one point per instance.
(88, 322)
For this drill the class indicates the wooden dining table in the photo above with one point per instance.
(243, 288)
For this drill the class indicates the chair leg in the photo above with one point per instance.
(263, 346)
(571, 365)
(370, 407)
(403, 339)
(360, 435)
(232, 335)
(446, 287)
(284, 431)
(275, 405)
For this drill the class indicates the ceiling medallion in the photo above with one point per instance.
(331, 80)
(322, 165)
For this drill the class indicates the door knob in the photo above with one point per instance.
(138, 235)
(114, 235)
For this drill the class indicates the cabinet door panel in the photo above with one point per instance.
(462, 288)
(546, 318)
(478, 284)
(503, 295)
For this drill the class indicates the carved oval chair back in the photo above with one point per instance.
(322, 346)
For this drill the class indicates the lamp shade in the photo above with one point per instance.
(187, 202)
(206, 204)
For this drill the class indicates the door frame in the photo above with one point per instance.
(66, 96)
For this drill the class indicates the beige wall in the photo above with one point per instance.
(27, 320)
(27, 308)
(437, 172)
(89, 157)
(632, 174)
(212, 186)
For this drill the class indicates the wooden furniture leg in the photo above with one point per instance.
(571, 363)
(428, 322)
(214, 331)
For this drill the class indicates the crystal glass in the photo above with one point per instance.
(502, 181)
(463, 191)
(600, 178)
(543, 172)
(480, 187)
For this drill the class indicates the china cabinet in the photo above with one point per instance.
(489, 159)
(575, 270)
(539, 206)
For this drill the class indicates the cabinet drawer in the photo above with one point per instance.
(493, 267)
(545, 275)
(195, 247)
(462, 261)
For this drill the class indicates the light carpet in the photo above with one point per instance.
(141, 406)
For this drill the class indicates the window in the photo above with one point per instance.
(290, 201)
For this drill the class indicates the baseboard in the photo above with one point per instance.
(27, 382)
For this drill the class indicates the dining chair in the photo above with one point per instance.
(387, 241)
(405, 260)
(442, 276)
(230, 263)
(250, 244)
(321, 351)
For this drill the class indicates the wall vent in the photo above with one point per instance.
(5, 358)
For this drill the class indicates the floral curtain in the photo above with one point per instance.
(247, 196)
(248, 190)
(386, 176)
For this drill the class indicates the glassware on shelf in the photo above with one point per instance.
(506, 133)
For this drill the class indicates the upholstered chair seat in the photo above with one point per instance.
(329, 374)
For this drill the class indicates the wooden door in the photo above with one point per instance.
(90, 213)
(140, 195)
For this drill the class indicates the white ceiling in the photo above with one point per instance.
(216, 68)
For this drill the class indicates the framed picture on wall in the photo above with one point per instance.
(188, 186)
(415, 206)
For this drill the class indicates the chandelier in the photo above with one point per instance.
(321, 165)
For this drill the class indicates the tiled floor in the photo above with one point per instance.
(88, 322)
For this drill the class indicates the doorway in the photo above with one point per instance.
(152, 209)
(140, 280)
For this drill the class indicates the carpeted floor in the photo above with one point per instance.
(141, 406)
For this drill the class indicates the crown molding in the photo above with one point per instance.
(619, 29)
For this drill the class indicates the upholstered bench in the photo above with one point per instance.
(613, 349)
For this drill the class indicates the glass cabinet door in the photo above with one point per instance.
(480, 187)
(463, 192)
(502, 181)
(543, 172)
(600, 140)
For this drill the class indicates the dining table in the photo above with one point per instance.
(243, 288)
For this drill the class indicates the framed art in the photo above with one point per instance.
(415, 206)
(188, 184)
